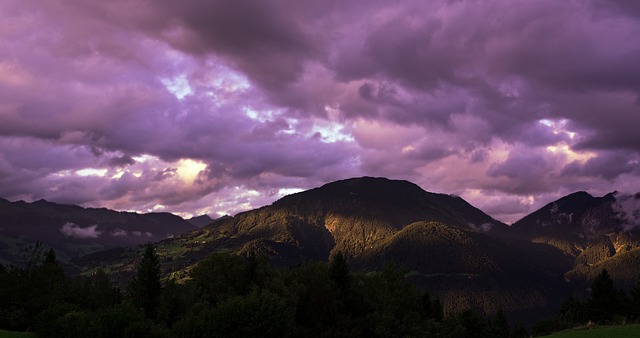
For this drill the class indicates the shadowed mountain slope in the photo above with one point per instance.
(575, 219)
(596, 233)
(200, 221)
(74, 231)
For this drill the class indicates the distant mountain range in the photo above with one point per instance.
(460, 253)
(200, 221)
(74, 231)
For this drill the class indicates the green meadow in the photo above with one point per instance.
(11, 334)
(624, 331)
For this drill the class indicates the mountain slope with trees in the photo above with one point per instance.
(442, 243)
(595, 233)
(75, 231)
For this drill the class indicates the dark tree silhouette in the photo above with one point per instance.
(33, 256)
(635, 301)
(606, 301)
(145, 288)
(50, 257)
(339, 273)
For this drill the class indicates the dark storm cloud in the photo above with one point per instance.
(526, 63)
(620, 7)
(608, 165)
(258, 37)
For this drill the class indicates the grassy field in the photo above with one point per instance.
(625, 331)
(10, 334)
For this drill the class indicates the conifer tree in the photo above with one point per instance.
(33, 256)
(50, 257)
(145, 288)
(500, 324)
(606, 301)
(339, 273)
(635, 301)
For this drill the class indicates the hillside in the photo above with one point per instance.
(445, 244)
(75, 231)
(442, 241)
(595, 233)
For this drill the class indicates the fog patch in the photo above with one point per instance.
(484, 227)
(119, 233)
(74, 230)
(141, 234)
(627, 209)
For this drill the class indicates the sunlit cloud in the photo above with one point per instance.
(178, 86)
(331, 132)
(259, 115)
(570, 154)
(189, 169)
(91, 172)
(288, 191)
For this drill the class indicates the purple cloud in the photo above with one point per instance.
(219, 106)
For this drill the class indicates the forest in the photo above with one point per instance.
(228, 295)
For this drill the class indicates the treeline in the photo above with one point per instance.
(606, 305)
(231, 296)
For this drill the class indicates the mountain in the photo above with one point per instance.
(443, 242)
(200, 221)
(74, 231)
(576, 219)
(595, 233)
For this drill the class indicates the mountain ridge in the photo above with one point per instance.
(444, 243)
(74, 230)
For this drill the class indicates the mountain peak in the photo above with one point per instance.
(200, 221)
(577, 217)
(393, 202)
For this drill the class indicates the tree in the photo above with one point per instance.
(145, 288)
(50, 257)
(258, 314)
(221, 276)
(339, 273)
(606, 301)
(572, 311)
(500, 325)
(33, 256)
(635, 300)
(432, 306)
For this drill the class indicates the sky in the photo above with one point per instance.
(208, 106)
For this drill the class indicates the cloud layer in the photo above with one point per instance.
(218, 106)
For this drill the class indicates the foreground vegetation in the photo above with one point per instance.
(606, 305)
(626, 331)
(10, 334)
(232, 296)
